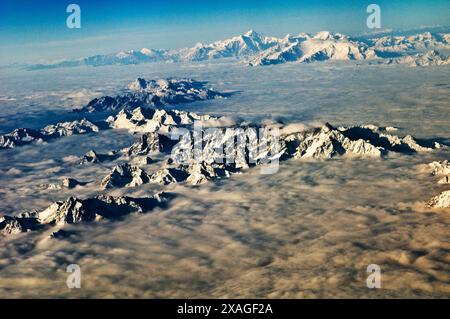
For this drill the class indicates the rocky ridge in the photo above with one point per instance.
(125, 175)
(75, 210)
(429, 58)
(440, 169)
(218, 156)
(67, 183)
(136, 108)
(22, 136)
(153, 120)
(153, 93)
(440, 201)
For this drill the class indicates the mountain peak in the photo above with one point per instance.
(138, 85)
(252, 33)
(146, 51)
(323, 35)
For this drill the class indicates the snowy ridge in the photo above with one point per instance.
(420, 41)
(323, 46)
(429, 58)
(440, 201)
(75, 210)
(125, 175)
(325, 142)
(22, 136)
(153, 120)
(441, 170)
(263, 50)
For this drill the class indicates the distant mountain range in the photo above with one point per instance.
(256, 49)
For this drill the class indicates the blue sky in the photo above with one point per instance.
(36, 30)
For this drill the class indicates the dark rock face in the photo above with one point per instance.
(108, 103)
(67, 182)
(70, 183)
(93, 157)
(145, 160)
(90, 157)
(62, 234)
(19, 137)
(71, 211)
(168, 176)
(14, 225)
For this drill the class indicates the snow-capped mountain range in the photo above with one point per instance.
(324, 142)
(256, 49)
(165, 152)
(322, 46)
(428, 58)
